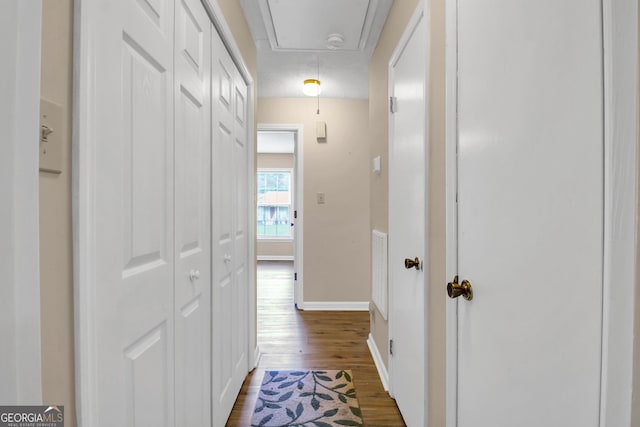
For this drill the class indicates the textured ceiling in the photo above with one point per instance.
(303, 39)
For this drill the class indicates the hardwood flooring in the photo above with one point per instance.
(292, 339)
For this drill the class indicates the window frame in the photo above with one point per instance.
(291, 205)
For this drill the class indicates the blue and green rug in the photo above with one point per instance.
(307, 399)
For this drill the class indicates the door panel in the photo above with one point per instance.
(530, 203)
(192, 214)
(407, 220)
(229, 222)
(133, 213)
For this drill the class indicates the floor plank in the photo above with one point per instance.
(292, 339)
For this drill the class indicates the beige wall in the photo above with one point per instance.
(238, 24)
(56, 279)
(336, 234)
(55, 200)
(399, 16)
(437, 298)
(275, 248)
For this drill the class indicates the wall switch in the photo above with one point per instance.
(376, 165)
(320, 198)
(52, 135)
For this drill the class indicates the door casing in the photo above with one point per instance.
(418, 15)
(19, 245)
(298, 198)
(620, 184)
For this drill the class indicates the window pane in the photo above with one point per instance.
(274, 204)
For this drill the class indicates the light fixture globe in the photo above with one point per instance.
(311, 87)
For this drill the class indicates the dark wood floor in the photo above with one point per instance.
(292, 339)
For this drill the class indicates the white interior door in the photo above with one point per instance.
(131, 111)
(530, 212)
(230, 252)
(407, 221)
(192, 214)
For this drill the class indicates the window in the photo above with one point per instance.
(274, 204)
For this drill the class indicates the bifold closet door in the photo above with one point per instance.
(229, 224)
(192, 214)
(130, 353)
(149, 111)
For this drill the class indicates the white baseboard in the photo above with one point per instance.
(377, 359)
(335, 306)
(275, 258)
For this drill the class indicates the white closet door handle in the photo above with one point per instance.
(194, 275)
(227, 258)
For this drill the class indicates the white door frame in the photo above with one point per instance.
(20, 353)
(620, 179)
(418, 14)
(297, 129)
(84, 248)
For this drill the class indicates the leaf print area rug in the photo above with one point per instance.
(307, 399)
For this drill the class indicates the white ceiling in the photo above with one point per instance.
(297, 40)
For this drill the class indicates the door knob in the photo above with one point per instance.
(413, 263)
(455, 289)
(194, 275)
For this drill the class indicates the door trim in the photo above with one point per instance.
(298, 238)
(19, 215)
(84, 197)
(620, 210)
(418, 15)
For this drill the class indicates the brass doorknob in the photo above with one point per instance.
(455, 289)
(413, 263)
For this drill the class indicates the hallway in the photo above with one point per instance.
(291, 339)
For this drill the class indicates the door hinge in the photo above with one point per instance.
(391, 347)
(295, 276)
(295, 214)
(393, 104)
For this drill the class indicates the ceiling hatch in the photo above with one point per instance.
(320, 25)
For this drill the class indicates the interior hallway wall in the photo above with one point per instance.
(337, 243)
(397, 21)
(56, 267)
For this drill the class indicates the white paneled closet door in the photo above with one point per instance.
(131, 353)
(145, 334)
(229, 224)
(192, 214)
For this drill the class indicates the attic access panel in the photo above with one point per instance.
(304, 25)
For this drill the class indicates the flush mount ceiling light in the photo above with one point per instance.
(311, 87)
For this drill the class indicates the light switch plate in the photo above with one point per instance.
(51, 137)
(376, 165)
(320, 198)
